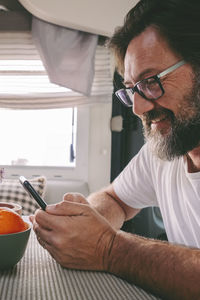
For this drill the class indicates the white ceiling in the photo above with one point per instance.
(95, 16)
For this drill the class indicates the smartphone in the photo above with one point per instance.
(32, 192)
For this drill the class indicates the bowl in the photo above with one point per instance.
(13, 246)
(14, 206)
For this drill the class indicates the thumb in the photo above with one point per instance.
(75, 197)
(66, 208)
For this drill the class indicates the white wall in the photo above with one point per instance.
(99, 146)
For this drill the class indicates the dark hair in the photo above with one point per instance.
(178, 21)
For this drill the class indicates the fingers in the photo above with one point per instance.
(67, 208)
(75, 197)
(74, 234)
(58, 215)
(31, 218)
(43, 235)
(43, 219)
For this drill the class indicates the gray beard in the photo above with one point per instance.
(159, 145)
(184, 134)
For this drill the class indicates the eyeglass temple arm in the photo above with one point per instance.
(170, 69)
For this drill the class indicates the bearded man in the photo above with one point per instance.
(158, 54)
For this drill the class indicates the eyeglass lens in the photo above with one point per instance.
(148, 88)
(124, 95)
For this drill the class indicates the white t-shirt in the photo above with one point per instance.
(149, 181)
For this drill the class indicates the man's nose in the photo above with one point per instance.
(141, 105)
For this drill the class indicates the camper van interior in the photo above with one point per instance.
(61, 125)
(58, 112)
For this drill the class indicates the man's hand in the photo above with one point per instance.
(75, 234)
(75, 197)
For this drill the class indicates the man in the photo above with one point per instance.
(158, 51)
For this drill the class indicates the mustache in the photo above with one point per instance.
(149, 116)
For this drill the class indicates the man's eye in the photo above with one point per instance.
(147, 83)
(151, 82)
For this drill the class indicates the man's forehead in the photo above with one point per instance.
(149, 50)
(144, 45)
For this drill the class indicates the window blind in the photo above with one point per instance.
(24, 83)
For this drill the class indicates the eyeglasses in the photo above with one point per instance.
(149, 88)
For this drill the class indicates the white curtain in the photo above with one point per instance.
(24, 83)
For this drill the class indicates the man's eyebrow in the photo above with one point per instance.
(142, 76)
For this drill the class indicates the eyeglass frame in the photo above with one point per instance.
(156, 78)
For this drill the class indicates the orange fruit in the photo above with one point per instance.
(10, 221)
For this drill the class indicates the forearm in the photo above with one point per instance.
(107, 207)
(171, 272)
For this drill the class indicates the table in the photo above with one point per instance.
(38, 277)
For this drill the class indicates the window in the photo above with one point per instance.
(24, 86)
(38, 142)
(38, 137)
(51, 142)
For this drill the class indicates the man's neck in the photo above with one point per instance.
(193, 160)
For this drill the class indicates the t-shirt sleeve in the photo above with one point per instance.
(134, 185)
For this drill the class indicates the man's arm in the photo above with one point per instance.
(166, 270)
(78, 237)
(108, 204)
(169, 271)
